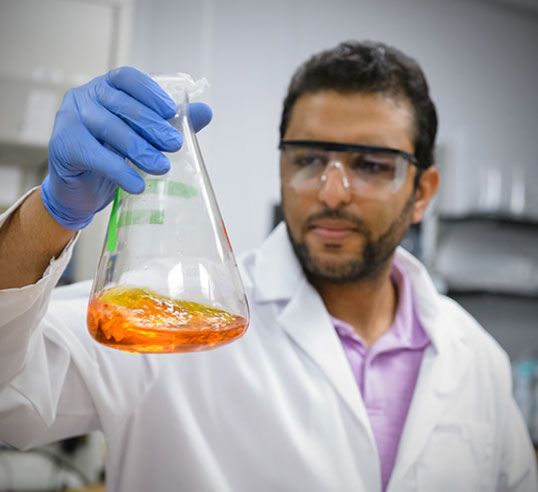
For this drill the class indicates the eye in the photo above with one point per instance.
(303, 158)
(373, 164)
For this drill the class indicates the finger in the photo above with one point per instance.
(86, 153)
(114, 132)
(114, 168)
(146, 122)
(200, 115)
(143, 88)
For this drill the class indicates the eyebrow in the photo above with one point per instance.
(344, 147)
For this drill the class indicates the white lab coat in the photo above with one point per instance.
(278, 410)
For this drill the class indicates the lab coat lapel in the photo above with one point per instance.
(279, 277)
(307, 322)
(439, 377)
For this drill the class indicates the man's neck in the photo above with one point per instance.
(368, 305)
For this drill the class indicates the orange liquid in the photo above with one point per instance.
(139, 320)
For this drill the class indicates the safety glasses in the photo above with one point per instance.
(373, 172)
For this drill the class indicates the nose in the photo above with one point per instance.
(335, 188)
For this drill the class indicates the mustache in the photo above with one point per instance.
(337, 214)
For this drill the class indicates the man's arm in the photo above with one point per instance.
(29, 239)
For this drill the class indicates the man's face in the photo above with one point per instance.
(337, 234)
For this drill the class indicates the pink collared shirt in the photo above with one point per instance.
(386, 373)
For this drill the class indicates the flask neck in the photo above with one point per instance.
(181, 120)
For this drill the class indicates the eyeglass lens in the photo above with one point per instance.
(370, 173)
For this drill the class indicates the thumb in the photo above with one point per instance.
(200, 115)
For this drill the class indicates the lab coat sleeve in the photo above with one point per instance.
(517, 470)
(55, 380)
(34, 367)
(22, 308)
(518, 460)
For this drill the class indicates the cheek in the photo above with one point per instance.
(377, 225)
(295, 209)
(378, 216)
(289, 205)
(399, 214)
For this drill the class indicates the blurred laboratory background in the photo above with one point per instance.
(480, 237)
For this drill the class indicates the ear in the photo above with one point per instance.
(426, 189)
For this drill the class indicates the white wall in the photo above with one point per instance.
(480, 60)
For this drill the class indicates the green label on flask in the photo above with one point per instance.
(175, 188)
(155, 186)
(140, 217)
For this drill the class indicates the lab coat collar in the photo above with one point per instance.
(307, 323)
(277, 271)
(426, 297)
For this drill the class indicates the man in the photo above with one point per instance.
(354, 375)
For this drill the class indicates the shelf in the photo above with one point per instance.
(23, 154)
(497, 217)
(483, 293)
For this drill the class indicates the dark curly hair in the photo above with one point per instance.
(369, 67)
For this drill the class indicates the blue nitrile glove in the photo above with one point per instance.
(120, 114)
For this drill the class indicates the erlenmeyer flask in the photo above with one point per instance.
(167, 279)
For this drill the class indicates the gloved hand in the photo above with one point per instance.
(120, 114)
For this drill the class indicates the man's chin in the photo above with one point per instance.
(334, 253)
(340, 263)
(338, 270)
(333, 275)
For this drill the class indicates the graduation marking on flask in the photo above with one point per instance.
(155, 186)
(141, 217)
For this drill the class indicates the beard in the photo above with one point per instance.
(367, 263)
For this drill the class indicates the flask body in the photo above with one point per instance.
(167, 279)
